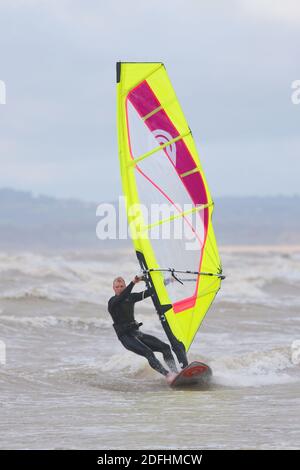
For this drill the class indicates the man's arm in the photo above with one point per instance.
(136, 297)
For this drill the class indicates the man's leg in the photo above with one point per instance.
(132, 343)
(157, 345)
(177, 346)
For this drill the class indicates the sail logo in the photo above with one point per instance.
(163, 137)
(2, 92)
(295, 97)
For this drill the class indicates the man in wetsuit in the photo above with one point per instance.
(121, 308)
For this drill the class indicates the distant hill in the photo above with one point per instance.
(29, 222)
(257, 220)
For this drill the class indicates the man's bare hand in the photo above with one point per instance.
(137, 279)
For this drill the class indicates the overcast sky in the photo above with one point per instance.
(232, 64)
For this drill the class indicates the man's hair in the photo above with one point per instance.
(119, 278)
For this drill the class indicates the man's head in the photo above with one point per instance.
(118, 285)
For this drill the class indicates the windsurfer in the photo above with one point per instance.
(121, 309)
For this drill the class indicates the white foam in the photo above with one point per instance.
(65, 277)
(255, 369)
(50, 320)
(126, 362)
(295, 352)
(249, 275)
(75, 277)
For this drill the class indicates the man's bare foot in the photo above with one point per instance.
(170, 377)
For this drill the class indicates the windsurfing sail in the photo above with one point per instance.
(166, 193)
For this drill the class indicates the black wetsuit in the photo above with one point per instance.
(121, 308)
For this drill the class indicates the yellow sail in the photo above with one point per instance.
(164, 185)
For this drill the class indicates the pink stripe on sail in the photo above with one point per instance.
(184, 304)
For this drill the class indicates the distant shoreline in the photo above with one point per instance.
(45, 223)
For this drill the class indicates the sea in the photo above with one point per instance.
(67, 382)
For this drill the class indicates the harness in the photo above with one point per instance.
(122, 329)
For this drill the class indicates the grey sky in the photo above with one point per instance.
(232, 64)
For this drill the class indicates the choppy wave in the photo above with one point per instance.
(127, 371)
(54, 352)
(275, 366)
(295, 352)
(268, 277)
(254, 369)
(51, 320)
(69, 278)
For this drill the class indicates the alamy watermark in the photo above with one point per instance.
(2, 92)
(295, 96)
(2, 352)
(155, 221)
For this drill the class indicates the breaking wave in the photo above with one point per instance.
(276, 366)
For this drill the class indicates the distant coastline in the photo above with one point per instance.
(41, 222)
